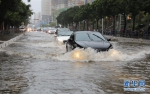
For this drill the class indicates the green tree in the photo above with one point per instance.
(97, 11)
(79, 16)
(134, 7)
(66, 17)
(123, 10)
(85, 14)
(102, 8)
(13, 12)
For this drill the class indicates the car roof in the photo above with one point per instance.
(66, 31)
(62, 28)
(77, 32)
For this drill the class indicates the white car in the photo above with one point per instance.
(51, 30)
(63, 37)
(22, 29)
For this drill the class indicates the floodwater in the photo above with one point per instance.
(37, 64)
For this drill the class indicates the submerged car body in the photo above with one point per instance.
(85, 39)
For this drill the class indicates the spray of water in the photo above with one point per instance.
(50, 49)
(91, 55)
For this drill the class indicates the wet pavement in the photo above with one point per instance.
(37, 64)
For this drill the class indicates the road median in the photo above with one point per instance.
(6, 43)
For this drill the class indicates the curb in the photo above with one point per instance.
(123, 39)
(6, 43)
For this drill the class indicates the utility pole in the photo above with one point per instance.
(102, 25)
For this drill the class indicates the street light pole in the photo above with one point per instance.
(56, 20)
(102, 25)
(48, 21)
(40, 24)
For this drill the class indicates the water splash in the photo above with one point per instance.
(91, 55)
(44, 46)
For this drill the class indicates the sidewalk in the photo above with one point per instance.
(7, 37)
(131, 40)
(5, 40)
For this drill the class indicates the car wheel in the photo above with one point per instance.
(66, 49)
(72, 48)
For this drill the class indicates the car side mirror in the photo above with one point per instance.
(108, 39)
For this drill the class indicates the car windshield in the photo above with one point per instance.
(82, 37)
(89, 37)
(65, 33)
(96, 37)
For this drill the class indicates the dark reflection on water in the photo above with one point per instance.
(12, 69)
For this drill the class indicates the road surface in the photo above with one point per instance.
(37, 64)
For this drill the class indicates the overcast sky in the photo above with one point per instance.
(35, 5)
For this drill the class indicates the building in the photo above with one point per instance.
(58, 4)
(72, 3)
(46, 11)
(88, 1)
(54, 4)
(63, 4)
(50, 8)
(57, 7)
(37, 18)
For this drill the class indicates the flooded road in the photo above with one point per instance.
(37, 64)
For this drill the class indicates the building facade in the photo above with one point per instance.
(72, 3)
(88, 1)
(46, 9)
(58, 4)
(49, 7)
(37, 18)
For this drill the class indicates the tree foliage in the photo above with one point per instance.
(13, 12)
(101, 8)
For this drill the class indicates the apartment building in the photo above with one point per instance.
(58, 4)
(46, 11)
(88, 1)
(37, 18)
(49, 7)
(72, 3)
